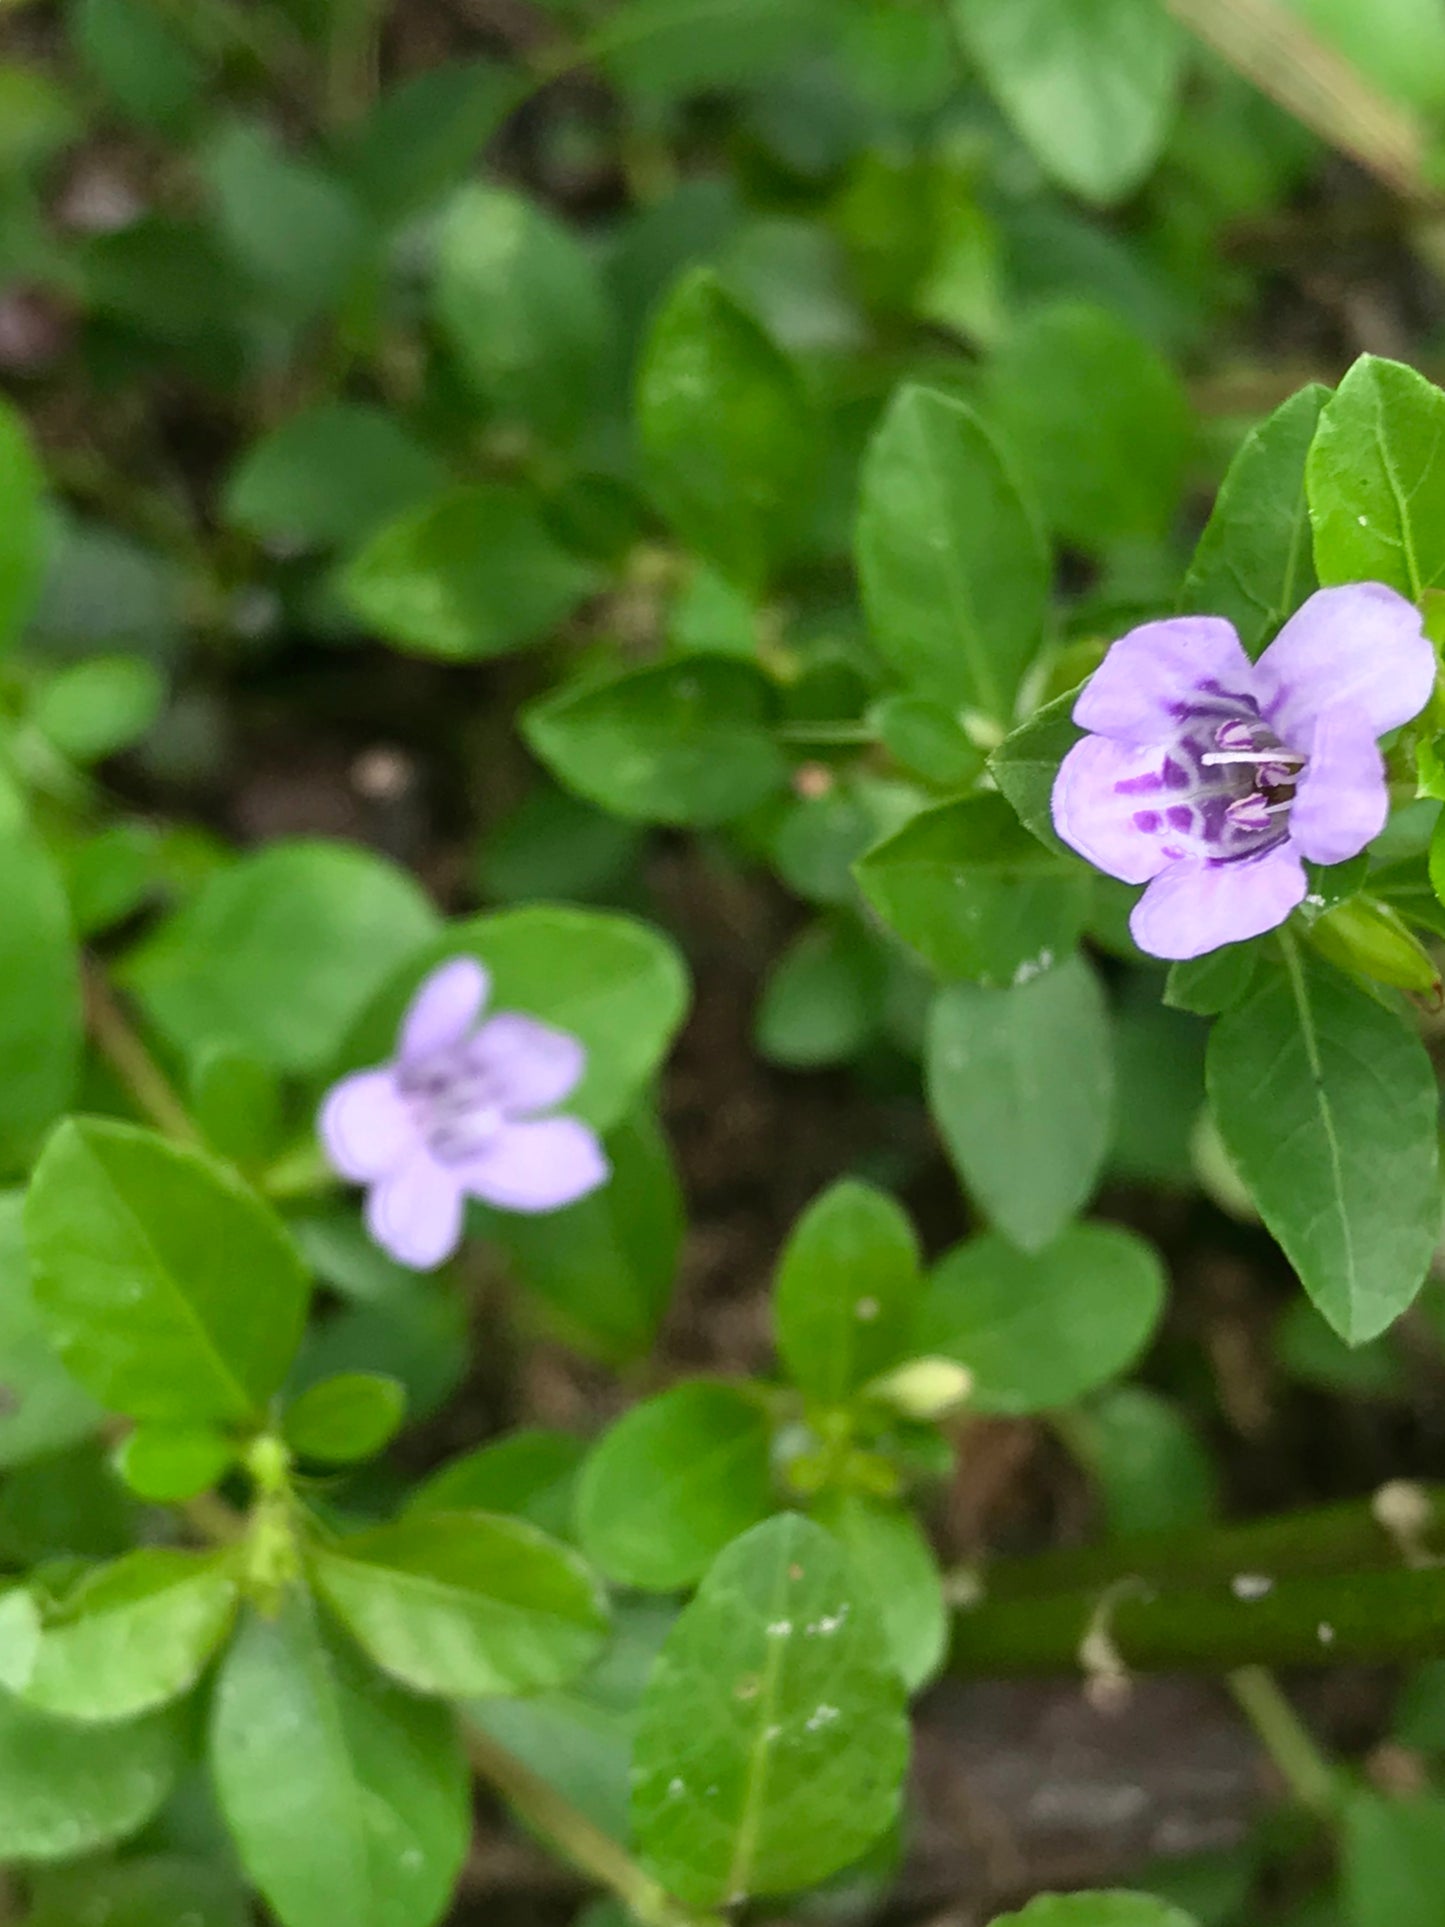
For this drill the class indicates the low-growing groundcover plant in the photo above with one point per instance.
(524, 531)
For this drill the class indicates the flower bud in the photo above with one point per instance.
(924, 1388)
(1369, 938)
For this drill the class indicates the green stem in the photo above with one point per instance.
(128, 1057)
(591, 1851)
(1315, 1540)
(1253, 1619)
(1286, 1739)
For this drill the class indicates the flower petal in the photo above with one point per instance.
(529, 1065)
(365, 1126)
(1359, 648)
(1342, 800)
(1196, 906)
(1102, 822)
(444, 1008)
(415, 1214)
(537, 1165)
(1136, 692)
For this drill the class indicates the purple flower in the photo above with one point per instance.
(1210, 777)
(455, 1116)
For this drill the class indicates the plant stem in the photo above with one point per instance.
(213, 1519)
(1317, 1539)
(1208, 1625)
(577, 1838)
(1286, 1739)
(128, 1057)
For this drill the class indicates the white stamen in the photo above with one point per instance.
(1286, 758)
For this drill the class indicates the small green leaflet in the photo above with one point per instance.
(1021, 1083)
(954, 570)
(1327, 1104)
(1376, 480)
(1254, 564)
(675, 1478)
(847, 1289)
(772, 1740)
(168, 1288)
(465, 1603)
(374, 1829)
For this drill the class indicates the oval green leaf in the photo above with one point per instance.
(674, 1480)
(1038, 1331)
(374, 1830)
(168, 1288)
(772, 1741)
(466, 1604)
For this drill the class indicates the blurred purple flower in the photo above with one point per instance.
(1210, 777)
(454, 1116)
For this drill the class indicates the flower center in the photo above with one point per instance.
(456, 1103)
(1228, 783)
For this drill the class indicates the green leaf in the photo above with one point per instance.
(1327, 1106)
(294, 229)
(44, 1410)
(373, 1831)
(168, 1288)
(978, 897)
(1214, 982)
(554, 848)
(343, 1419)
(236, 1100)
(1154, 1472)
(131, 1635)
(1097, 422)
(531, 1472)
(1021, 1083)
(330, 476)
(1026, 763)
(847, 1290)
(1039, 1330)
(67, 1789)
(40, 1002)
(925, 739)
(22, 526)
(953, 566)
(604, 1267)
(893, 1564)
(1254, 564)
(473, 573)
(1376, 480)
(94, 708)
(152, 1892)
(824, 998)
(729, 435)
(1097, 1910)
(579, 1738)
(39, 118)
(169, 1464)
(424, 134)
(772, 1741)
(521, 301)
(685, 742)
(667, 49)
(673, 1481)
(1089, 84)
(1393, 1860)
(615, 983)
(466, 1604)
(281, 952)
(139, 60)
